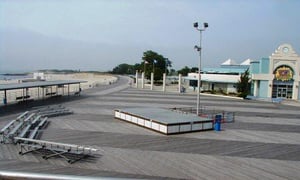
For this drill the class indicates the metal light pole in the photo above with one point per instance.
(154, 62)
(166, 65)
(144, 66)
(199, 48)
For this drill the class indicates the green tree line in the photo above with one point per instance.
(152, 62)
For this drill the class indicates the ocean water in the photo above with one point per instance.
(12, 77)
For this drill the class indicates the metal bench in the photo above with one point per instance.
(42, 123)
(22, 115)
(28, 119)
(70, 152)
(50, 94)
(15, 130)
(36, 120)
(57, 113)
(33, 133)
(22, 97)
(11, 123)
(5, 131)
(24, 133)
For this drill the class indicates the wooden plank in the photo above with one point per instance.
(245, 153)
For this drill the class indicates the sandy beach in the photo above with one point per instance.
(92, 80)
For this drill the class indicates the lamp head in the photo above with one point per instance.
(195, 25)
(205, 25)
(197, 48)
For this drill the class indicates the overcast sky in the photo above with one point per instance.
(100, 34)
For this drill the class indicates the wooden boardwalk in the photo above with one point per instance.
(263, 143)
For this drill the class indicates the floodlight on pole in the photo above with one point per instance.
(166, 65)
(199, 48)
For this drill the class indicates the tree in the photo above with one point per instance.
(173, 72)
(125, 69)
(168, 64)
(184, 71)
(152, 61)
(194, 69)
(243, 86)
(137, 67)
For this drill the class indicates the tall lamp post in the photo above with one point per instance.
(154, 62)
(166, 65)
(199, 48)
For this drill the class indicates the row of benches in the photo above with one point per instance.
(25, 129)
(25, 125)
(51, 111)
(28, 96)
(70, 152)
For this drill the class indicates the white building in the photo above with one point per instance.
(223, 79)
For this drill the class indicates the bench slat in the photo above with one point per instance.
(7, 126)
(33, 133)
(29, 117)
(36, 119)
(42, 122)
(22, 115)
(25, 130)
(16, 128)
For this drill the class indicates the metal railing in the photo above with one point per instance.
(227, 117)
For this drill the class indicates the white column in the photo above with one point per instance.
(270, 86)
(179, 82)
(136, 79)
(295, 90)
(143, 80)
(152, 80)
(255, 88)
(164, 82)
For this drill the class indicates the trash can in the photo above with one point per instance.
(217, 125)
(4, 101)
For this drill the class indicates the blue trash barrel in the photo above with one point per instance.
(4, 101)
(217, 125)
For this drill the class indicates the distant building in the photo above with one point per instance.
(277, 76)
(222, 79)
(39, 76)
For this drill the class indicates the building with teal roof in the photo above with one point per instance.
(223, 78)
(277, 76)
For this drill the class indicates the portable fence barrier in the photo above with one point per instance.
(226, 117)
